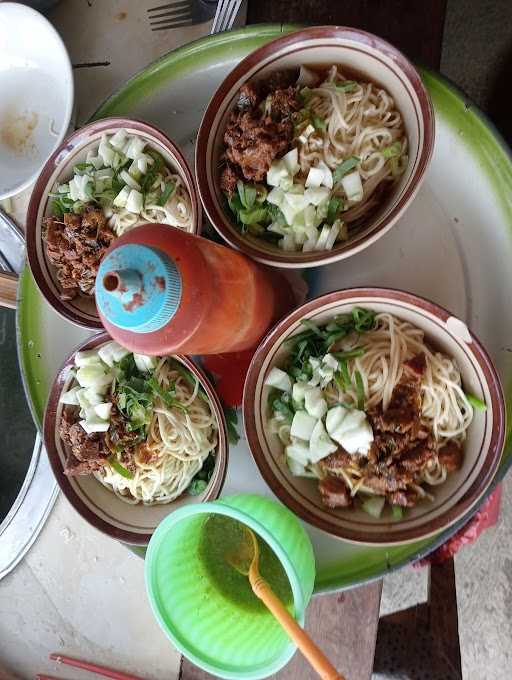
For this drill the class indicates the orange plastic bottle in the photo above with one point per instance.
(160, 290)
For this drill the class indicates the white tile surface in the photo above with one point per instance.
(80, 593)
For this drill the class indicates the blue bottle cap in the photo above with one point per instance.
(138, 288)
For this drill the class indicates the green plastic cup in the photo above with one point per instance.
(208, 628)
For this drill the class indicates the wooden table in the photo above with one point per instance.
(345, 624)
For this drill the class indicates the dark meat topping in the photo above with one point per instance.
(252, 142)
(88, 451)
(388, 480)
(450, 456)
(415, 459)
(403, 412)
(334, 461)
(228, 179)
(334, 493)
(258, 131)
(406, 499)
(75, 246)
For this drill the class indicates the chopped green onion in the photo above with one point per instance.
(252, 216)
(319, 123)
(346, 86)
(311, 326)
(476, 402)
(166, 396)
(345, 166)
(250, 195)
(397, 512)
(332, 209)
(392, 150)
(306, 94)
(359, 390)
(120, 469)
(364, 319)
(350, 353)
(164, 196)
(345, 376)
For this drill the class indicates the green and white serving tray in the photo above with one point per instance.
(453, 245)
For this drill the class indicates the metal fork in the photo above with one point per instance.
(225, 15)
(181, 13)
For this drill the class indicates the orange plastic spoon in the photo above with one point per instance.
(246, 561)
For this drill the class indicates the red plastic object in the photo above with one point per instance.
(227, 301)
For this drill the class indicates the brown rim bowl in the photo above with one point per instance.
(378, 62)
(133, 524)
(59, 167)
(483, 447)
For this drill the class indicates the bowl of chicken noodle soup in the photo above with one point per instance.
(375, 415)
(313, 146)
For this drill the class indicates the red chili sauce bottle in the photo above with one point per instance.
(162, 291)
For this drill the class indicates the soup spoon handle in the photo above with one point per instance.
(309, 649)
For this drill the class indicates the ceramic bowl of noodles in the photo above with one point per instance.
(313, 146)
(375, 415)
(104, 179)
(131, 438)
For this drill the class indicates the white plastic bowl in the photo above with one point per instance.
(36, 85)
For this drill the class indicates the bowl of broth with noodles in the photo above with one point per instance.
(313, 146)
(375, 415)
(131, 438)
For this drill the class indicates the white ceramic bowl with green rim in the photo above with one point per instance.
(204, 624)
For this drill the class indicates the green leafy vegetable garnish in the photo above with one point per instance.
(397, 512)
(364, 319)
(253, 216)
(350, 353)
(317, 340)
(200, 480)
(282, 403)
(346, 86)
(392, 151)
(344, 167)
(332, 209)
(164, 196)
(168, 396)
(345, 376)
(359, 390)
(61, 205)
(305, 94)
(232, 423)
(153, 170)
(120, 469)
(319, 123)
(476, 402)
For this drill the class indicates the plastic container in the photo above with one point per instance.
(162, 291)
(205, 626)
